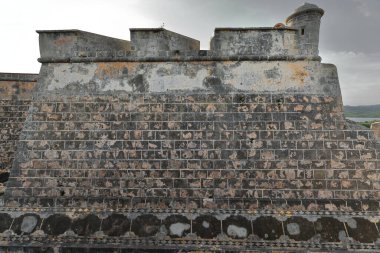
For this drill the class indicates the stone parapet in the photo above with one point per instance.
(255, 41)
(76, 43)
(159, 44)
(159, 41)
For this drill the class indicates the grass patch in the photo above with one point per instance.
(368, 123)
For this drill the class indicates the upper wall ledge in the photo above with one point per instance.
(203, 55)
(254, 28)
(21, 77)
(296, 40)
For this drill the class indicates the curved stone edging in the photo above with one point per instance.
(206, 226)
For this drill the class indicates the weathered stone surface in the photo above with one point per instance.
(15, 96)
(330, 229)
(304, 77)
(237, 227)
(299, 228)
(267, 228)
(4, 175)
(75, 43)
(206, 226)
(5, 222)
(212, 154)
(29, 249)
(146, 225)
(87, 226)
(362, 230)
(177, 225)
(115, 225)
(56, 224)
(158, 41)
(26, 224)
(255, 41)
(306, 19)
(243, 146)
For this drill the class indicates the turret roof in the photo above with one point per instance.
(306, 7)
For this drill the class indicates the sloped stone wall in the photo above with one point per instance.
(15, 97)
(202, 146)
(221, 170)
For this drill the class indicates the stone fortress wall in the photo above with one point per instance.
(154, 144)
(15, 98)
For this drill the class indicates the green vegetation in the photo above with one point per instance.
(362, 111)
(368, 123)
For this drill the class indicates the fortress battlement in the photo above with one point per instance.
(297, 40)
(283, 59)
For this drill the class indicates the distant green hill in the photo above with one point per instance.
(362, 111)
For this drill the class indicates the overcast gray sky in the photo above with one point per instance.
(350, 30)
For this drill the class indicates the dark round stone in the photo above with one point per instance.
(299, 229)
(329, 229)
(86, 226)
(363, 231)
(237, 227)
(5, 221)
(146, 225)
(56, 224)
(26, 224)
(4, 176)
(206, 226)
(115, 225)
(268, 228)
(177, 225)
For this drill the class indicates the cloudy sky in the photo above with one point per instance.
(350, 30)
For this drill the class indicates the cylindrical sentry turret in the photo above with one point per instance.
(307, 19)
